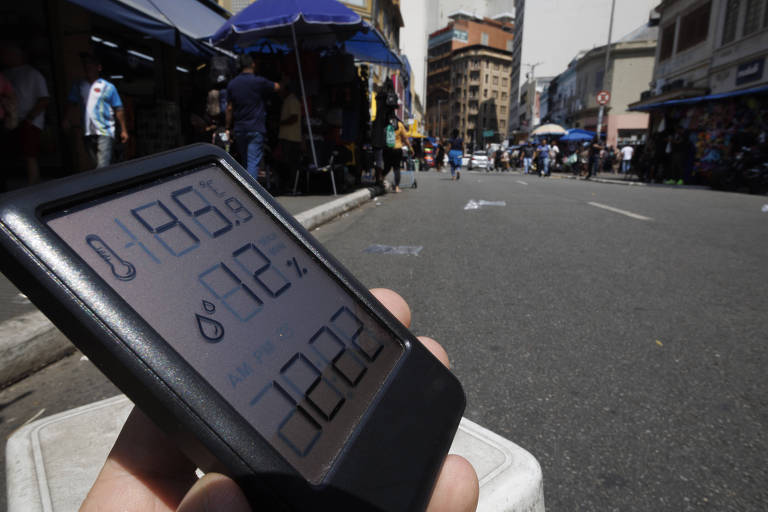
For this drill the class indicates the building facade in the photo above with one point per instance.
(630, 68)
(709, 93)
(710, 46)
(479, 102)
(468, 82)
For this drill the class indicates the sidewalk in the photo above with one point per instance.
(29, 341)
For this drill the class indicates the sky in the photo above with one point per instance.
(556, 30)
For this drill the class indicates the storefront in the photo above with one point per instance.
(154, 59)
(702, 132)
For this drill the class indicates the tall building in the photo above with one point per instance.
(550, 32)
(468, 71)
(440, 10)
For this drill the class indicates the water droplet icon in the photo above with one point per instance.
(211, 330)
(209, 307)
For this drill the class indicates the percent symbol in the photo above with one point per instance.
(293, 263)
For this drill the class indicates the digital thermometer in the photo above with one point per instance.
(230, 326)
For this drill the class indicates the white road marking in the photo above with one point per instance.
(521, 182)
(617, 210)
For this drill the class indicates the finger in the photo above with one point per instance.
(214, 493)
(457, 488)
(144, 470)
(394, 303)
(437, 350)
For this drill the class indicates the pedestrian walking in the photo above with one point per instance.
(246, 113)
(440, 155)
(99, 105)
(32, 100)
(386, 103)
(456, 151)
(393, 154)
(542, 153)
(626, 158)
(527, 152)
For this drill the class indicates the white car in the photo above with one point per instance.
(465, 160)
(480, 159)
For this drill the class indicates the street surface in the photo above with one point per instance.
(617, 333)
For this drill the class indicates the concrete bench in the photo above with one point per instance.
(51, 463)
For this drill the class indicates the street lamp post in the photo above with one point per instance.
(601, 112)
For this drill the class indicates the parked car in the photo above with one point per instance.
(465, 160)
(480, 159)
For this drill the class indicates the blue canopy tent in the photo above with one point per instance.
(577, 135)
(318, 22)
(163, 20)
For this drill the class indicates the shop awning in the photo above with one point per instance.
(161, 18)
(698, 99)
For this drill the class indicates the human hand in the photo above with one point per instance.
(145, 470)
(124, 136)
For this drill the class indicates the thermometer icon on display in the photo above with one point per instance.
(121, 269)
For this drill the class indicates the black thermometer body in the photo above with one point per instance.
(230, 326)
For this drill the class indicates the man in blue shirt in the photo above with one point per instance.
(246, 112)
(543, 153)
(100, 105)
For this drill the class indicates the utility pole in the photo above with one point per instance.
(532, 77)
(605, 72)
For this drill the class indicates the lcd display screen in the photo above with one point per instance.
(232, 292)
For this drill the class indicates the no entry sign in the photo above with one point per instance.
(603, 97)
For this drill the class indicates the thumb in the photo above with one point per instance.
(214, 493)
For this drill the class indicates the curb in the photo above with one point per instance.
(323, 213)
(30, 342)
(603, 180)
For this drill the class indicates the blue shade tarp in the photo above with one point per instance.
(161, 18)
(577, 135)
(279, 19)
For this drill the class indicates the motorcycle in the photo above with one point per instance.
(746, 169)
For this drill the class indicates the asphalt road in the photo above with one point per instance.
(624, 349)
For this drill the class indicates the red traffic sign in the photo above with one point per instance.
(603, 97)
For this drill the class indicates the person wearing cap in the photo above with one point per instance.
(247, 112)
(100, 106)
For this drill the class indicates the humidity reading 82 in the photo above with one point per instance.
(244, 303)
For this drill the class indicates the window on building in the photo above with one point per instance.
(510, 45)
(667, 41)
(503, 109)
(503, 96)
(486, 78)
(752, 19)
(495, 80)
(731, 18)
(504, 81)
(599, 75)
(496, 94)
(484, 39)
(694, 27)
(485, 93)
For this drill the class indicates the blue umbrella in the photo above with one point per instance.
(577, 135)
(283, 19)
(324, 20)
